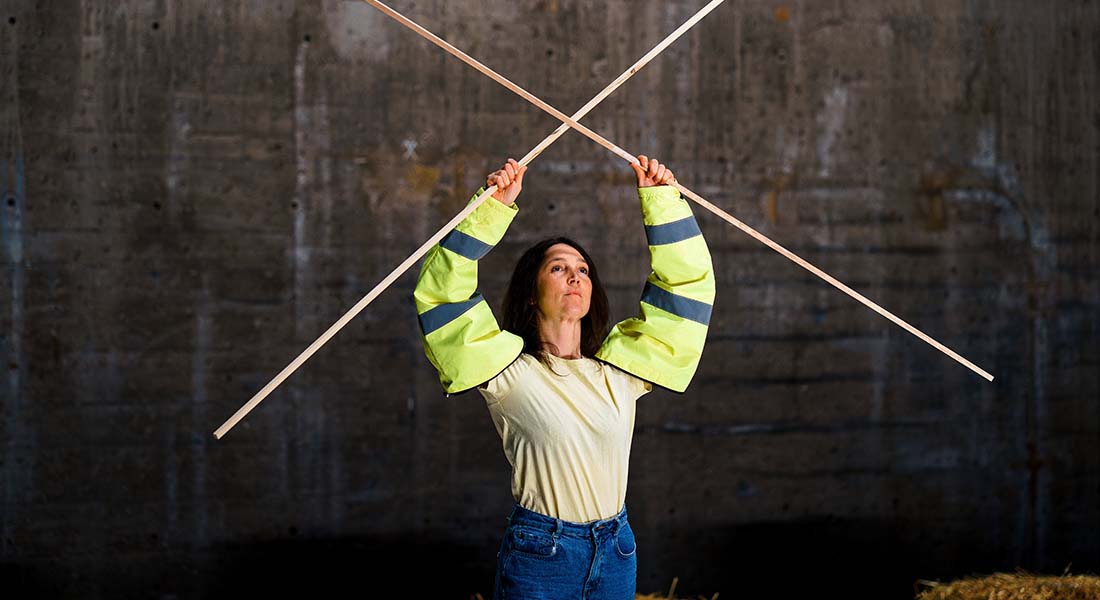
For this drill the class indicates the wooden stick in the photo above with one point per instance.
(847, 290)
(359, 306)
(690, 194)
(566, 121)
(404, 266)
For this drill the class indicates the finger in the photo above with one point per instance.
(669, 177)
(644, 161)
(508, 168)
(653, 164)
(519, 176)
(661, 173)
(638, 171)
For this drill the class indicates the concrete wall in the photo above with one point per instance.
(195, 191)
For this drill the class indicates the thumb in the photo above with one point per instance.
(638, 171)
(519, 175)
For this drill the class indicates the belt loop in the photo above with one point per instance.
(513, 513)
(557, 529)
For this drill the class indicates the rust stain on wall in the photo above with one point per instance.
(422, 178)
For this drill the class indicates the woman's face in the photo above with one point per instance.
(564, 289)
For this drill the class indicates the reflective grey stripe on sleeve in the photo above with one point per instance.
(464, 244)
(439, 316)
(667, 233)
(678, 305)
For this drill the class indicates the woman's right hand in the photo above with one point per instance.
(509, 181)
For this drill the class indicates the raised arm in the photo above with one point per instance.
(665, 342)
(460, 334)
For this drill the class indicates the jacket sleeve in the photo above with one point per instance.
(664, 343)
(460, 334)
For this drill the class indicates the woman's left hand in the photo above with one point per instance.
(651, 173)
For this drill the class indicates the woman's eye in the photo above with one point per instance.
(556, 267)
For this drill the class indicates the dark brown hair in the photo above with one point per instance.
(521, 317)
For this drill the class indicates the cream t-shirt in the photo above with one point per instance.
(567, 438)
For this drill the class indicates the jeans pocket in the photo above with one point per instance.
(625, 544)
(531, 541)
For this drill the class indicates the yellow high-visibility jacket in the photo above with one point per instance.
(662, 345)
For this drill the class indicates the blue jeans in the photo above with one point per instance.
(543, 557)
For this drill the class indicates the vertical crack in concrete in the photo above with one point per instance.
(202, 344)
(311, 454)
(17, 464)
(300, 259)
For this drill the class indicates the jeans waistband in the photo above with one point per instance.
(525, 516)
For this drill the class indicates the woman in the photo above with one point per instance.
(561, 390)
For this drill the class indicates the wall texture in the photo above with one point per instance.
(195, 191)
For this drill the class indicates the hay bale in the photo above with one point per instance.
(1007, 586)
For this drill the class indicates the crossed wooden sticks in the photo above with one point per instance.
(567, 122)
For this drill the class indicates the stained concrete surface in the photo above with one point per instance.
(194, 191)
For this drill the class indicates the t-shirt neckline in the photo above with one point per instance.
(586, 363)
